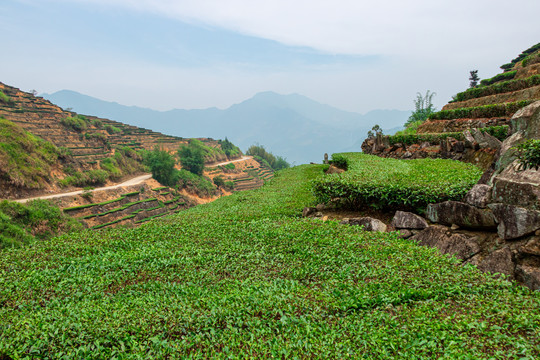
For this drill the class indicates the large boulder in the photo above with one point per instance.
(517, 187)
(460, 245)
(479, 196)
(514, 221)
(369, 224)
(528, 275)
(499, 261)
(461, 214)
(408, 220)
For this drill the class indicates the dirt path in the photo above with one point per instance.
(134, 181)
(243, 158)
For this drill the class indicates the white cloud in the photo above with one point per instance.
(360, 26)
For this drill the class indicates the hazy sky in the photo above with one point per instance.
(353, 54)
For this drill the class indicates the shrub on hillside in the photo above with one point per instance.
(229, 148)
(85, 178)
(4, 98)
(38, 219)
(509, 75)
(259, 153)
(194, 183)
(77, 123)
(112, 129)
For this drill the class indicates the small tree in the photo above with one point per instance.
(192, 158)
(474, 79)
(161, 165)
(423, 108)
(218, 181)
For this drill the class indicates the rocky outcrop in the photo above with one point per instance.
(408, 220)
(515, 222)
(479, 196)
(461, 214)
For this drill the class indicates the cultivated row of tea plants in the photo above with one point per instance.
(247, 277)
(396, 184)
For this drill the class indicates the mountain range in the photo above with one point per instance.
(293, 126)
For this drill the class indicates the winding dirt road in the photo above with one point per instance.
(134, 181)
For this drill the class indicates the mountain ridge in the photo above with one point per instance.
(294, 126)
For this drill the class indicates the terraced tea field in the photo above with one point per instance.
(247, 277)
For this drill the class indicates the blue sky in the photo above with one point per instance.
(352, 54)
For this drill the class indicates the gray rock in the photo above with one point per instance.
(469, 139)
(486, 140)
(499, 261)
(408, 220)
(369, 224)
(517, 187)
(461, 214)
(308, 211)
(528, 275)
(479, 196)
(321, 207)
(515, 222)
(460, 245)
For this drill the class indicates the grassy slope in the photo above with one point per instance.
(245, 276)
(25, 160)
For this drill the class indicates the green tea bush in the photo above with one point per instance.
(396, 184)
(409, 139)
(509, 75)
(340, 161)
(528, 154)
(485, 111)
(498, 88)
(85, 178)
(245, 277)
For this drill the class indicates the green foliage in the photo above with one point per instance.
(409, 139)
(195, 184)
(423, 108)
(229, 166)
(4, 98)
(161, 164)
(229, 185)
(521, 57)
(247, 277)
(485, 111)
(39, 219)
(498, 88)
(340, 161)
(509, 75)
(192, 157)
(473, 78)
(411, 128)
(218, 181)
(112, 129)
(77, 123)
(98, 136)
(500, 132)
(87, 194)
(97, 123)
(25, 159)
(396, 184)
(532, 59)
(85, 178)
(270, 160)
(528, 154)
(229, 148)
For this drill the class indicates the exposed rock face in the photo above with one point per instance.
(462, 246)
(479, 196)
(461, 214)
(369, 224)
(515, 222)
(308, 211)
(529, 276)
(408, 220)
(499, 261)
